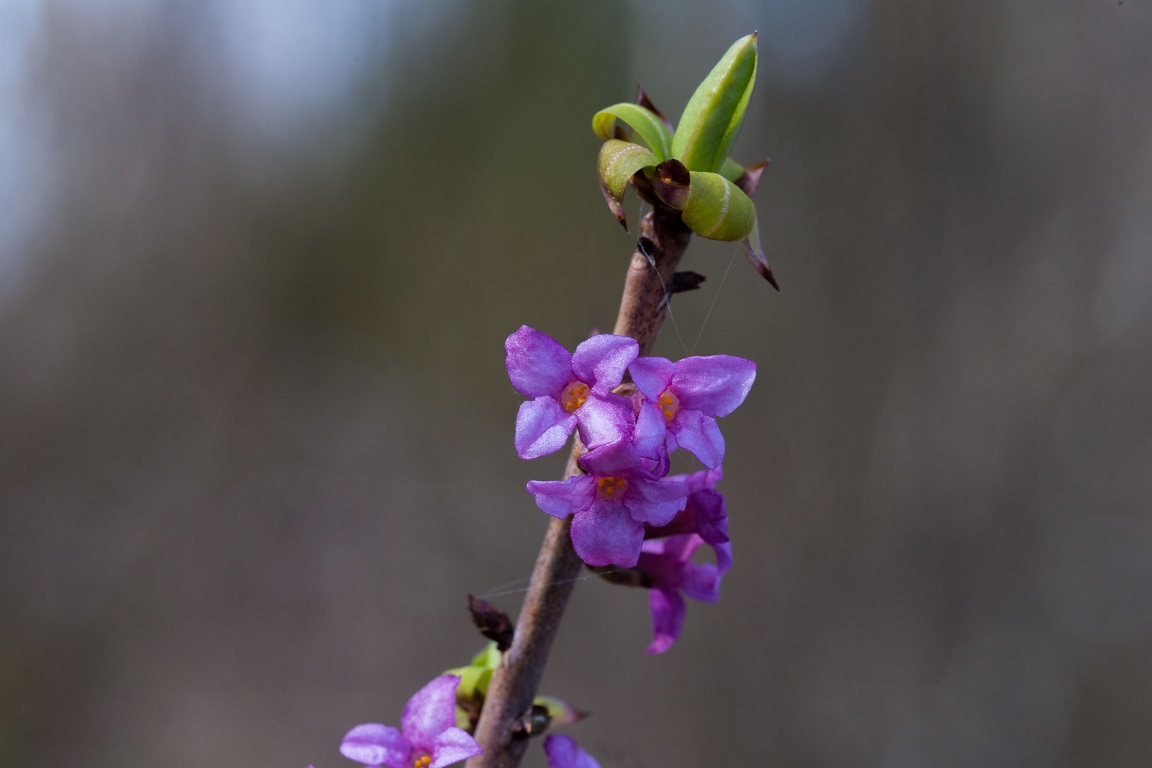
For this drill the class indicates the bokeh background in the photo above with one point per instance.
(257, 262)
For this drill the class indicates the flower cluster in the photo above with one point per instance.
(430, 738)
(626, 511)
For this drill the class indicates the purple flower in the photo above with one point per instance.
(564, 752)
(668, 569)
(649, 435)
(705, 514)
(691, 394)
(429, 739)
(611, 504)
(568, 390)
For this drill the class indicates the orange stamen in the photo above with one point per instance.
(574, 396)
(611, 488)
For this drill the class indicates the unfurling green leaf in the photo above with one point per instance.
(619, 161)
(710, 122)
(717, 209)
(649, 126)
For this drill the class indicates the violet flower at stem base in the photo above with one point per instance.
(647, 286)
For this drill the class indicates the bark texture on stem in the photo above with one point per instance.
(515, 682)
(649, 284)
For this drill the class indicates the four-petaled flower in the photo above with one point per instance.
(705, 514)
(611, 504)
(668, 569)
(428, 737)
(564, 752)
(568, 390)
(690, 394)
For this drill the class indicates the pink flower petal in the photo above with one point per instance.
(699, 435)
(564, 752)
(618, 459)
(667, 610)
(430, 712)
(542, 427)
(700, 582)
(715, 385)
(604, 419)
(375, 744)
(606, 534)
(537, 364)
(602, 360)
(561, 498)
(652, 375)
(453, 746)
(655, 502)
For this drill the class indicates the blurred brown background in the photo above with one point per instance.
(257, 262)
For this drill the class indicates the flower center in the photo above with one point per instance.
(669, 404)
(611, 488)
(574, 396)
(421, 760)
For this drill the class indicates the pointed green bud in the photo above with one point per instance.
(619, 161)
(717, 209)
(651, 127)
(710, 122)
(560, 711)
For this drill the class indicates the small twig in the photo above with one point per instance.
(508, 703)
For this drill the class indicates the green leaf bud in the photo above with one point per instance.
(474, 678)
(710, 122)
(560, 711)
(618, 163)
(648, 125)
(717, 209)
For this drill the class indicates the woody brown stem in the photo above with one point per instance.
(647, 286)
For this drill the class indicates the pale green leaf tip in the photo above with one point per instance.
(712, 117)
